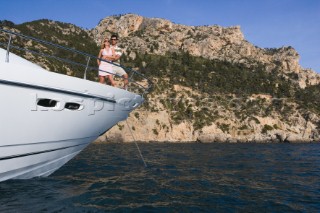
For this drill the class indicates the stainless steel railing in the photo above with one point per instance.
(135, 85)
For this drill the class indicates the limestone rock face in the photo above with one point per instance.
(158, 36)
(123, 25)
(158, 126)
(154, 130)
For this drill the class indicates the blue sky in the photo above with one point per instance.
(265, 23)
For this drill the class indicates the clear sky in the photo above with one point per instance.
(265, 23)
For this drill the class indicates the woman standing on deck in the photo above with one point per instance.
(105, 68)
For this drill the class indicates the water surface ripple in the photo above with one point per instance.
(179, 178)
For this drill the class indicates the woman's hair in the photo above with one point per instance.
(103, 43)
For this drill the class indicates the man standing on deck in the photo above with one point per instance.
(118, 52)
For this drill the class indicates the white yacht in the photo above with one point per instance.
(47, 118)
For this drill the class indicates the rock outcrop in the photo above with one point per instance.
(159, 127)
(158, 36)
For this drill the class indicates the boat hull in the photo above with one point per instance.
(39, 159)
(48, 118)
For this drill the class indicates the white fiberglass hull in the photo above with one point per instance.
(38, 137)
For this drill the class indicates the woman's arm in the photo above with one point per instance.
(99, 56)
(108, 58)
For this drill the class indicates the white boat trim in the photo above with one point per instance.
(40, 87)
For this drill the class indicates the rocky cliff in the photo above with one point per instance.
(229, 123)
(159, 36)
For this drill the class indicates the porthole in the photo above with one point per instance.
(72, 106)
(45, 102)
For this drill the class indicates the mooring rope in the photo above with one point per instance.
(144, 162)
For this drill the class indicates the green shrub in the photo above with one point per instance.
(136, 114)
(266, 128)
(155, 131)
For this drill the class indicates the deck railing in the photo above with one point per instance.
(138, 83)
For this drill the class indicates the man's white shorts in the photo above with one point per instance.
(118, 70)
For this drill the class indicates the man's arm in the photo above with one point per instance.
(117, 57)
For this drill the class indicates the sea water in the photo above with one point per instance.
(188, 177)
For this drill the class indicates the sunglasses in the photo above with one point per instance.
(114, 39)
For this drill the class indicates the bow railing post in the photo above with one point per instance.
(85, 71)
(131, 76)
(8, 49)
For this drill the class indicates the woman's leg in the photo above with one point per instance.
(101, 79)
(126, 81)
(110, 77)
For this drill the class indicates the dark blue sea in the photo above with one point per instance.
(178, 178)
